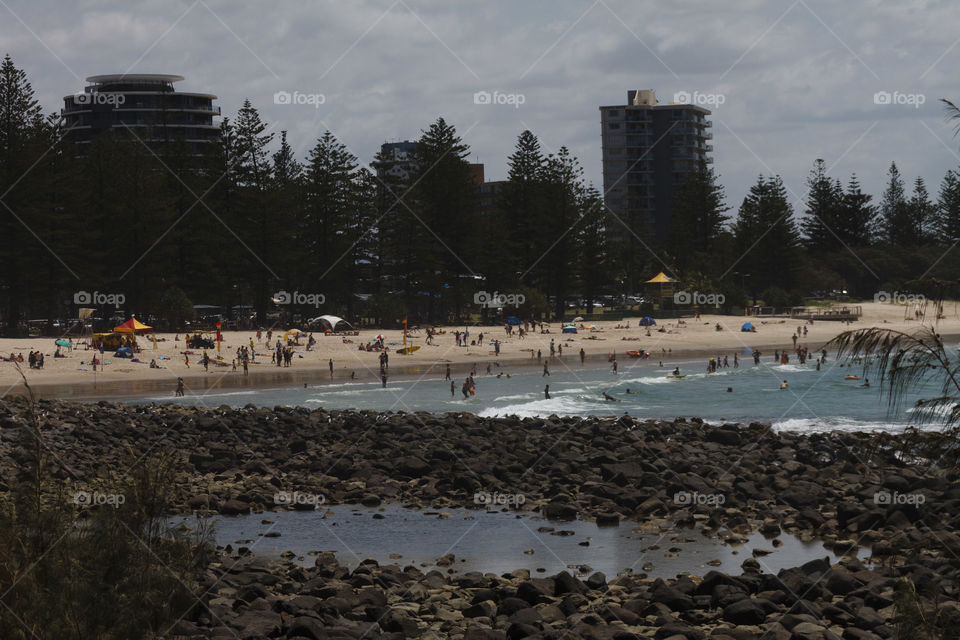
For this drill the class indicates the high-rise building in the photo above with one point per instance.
(144, 105)
(648, 149)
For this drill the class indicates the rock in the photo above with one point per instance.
(485, 609)
(608, 519)
(748, 611)
(566, 583)
(672, 598)
(234, 508)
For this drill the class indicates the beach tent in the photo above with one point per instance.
(513, 320)
(569, 328)
(132, 326)
(332, 322)
(747, 327)
(123, 352)
(647, 321)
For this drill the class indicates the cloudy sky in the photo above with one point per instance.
(789, 81)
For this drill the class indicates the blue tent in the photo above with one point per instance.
(569, 329)
(123, 352)
(747, 327)
(514, 320)
(647, 321)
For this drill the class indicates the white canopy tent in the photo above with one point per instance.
(331, 321)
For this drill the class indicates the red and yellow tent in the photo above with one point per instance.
(132, 326)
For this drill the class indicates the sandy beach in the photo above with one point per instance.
(73, 375)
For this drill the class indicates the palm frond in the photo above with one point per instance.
(905, 361)
(953, 114)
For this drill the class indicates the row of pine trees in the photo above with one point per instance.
(249, 219)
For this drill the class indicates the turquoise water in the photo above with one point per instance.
(814, 400)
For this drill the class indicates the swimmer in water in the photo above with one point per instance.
(866, 382)
(783, 385)
(546, 392)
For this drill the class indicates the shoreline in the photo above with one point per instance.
(271, 377)
(674, 341)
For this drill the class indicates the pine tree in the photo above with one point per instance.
(894, 209)
(698, 217)
(443, 199)
(857, 226)
(255, 225)
(766, 235)
(948, 209)
(922, 214)
(522, 205)
(21, 138)
(824, 212)
(592, 264)
(562, 178)
(330, 205)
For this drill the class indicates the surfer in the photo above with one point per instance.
(676, 371)
(630, 393)
(609, 398)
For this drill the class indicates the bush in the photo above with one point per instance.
(73, 570)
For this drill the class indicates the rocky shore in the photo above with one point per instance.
(249, 597)
(886, 493)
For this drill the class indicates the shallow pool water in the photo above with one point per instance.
(500, 542)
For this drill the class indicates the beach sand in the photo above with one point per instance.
(73, 376)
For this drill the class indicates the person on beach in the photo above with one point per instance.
(383, 377)
(246, 367)
(546, 370)
(453, 389)
(582, 357)
(614, 365)
(546, 392)
(448, 374)
(186, 361)
(331, 367)
(539, 354)
(179, 391)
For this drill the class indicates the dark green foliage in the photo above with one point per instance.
(74, 572)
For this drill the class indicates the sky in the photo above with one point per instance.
(856, 83)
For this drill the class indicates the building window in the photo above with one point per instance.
(613, 113)
(613, 125)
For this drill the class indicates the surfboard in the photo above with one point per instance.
(408, 350)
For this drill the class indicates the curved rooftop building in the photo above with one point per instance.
(145, 105)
